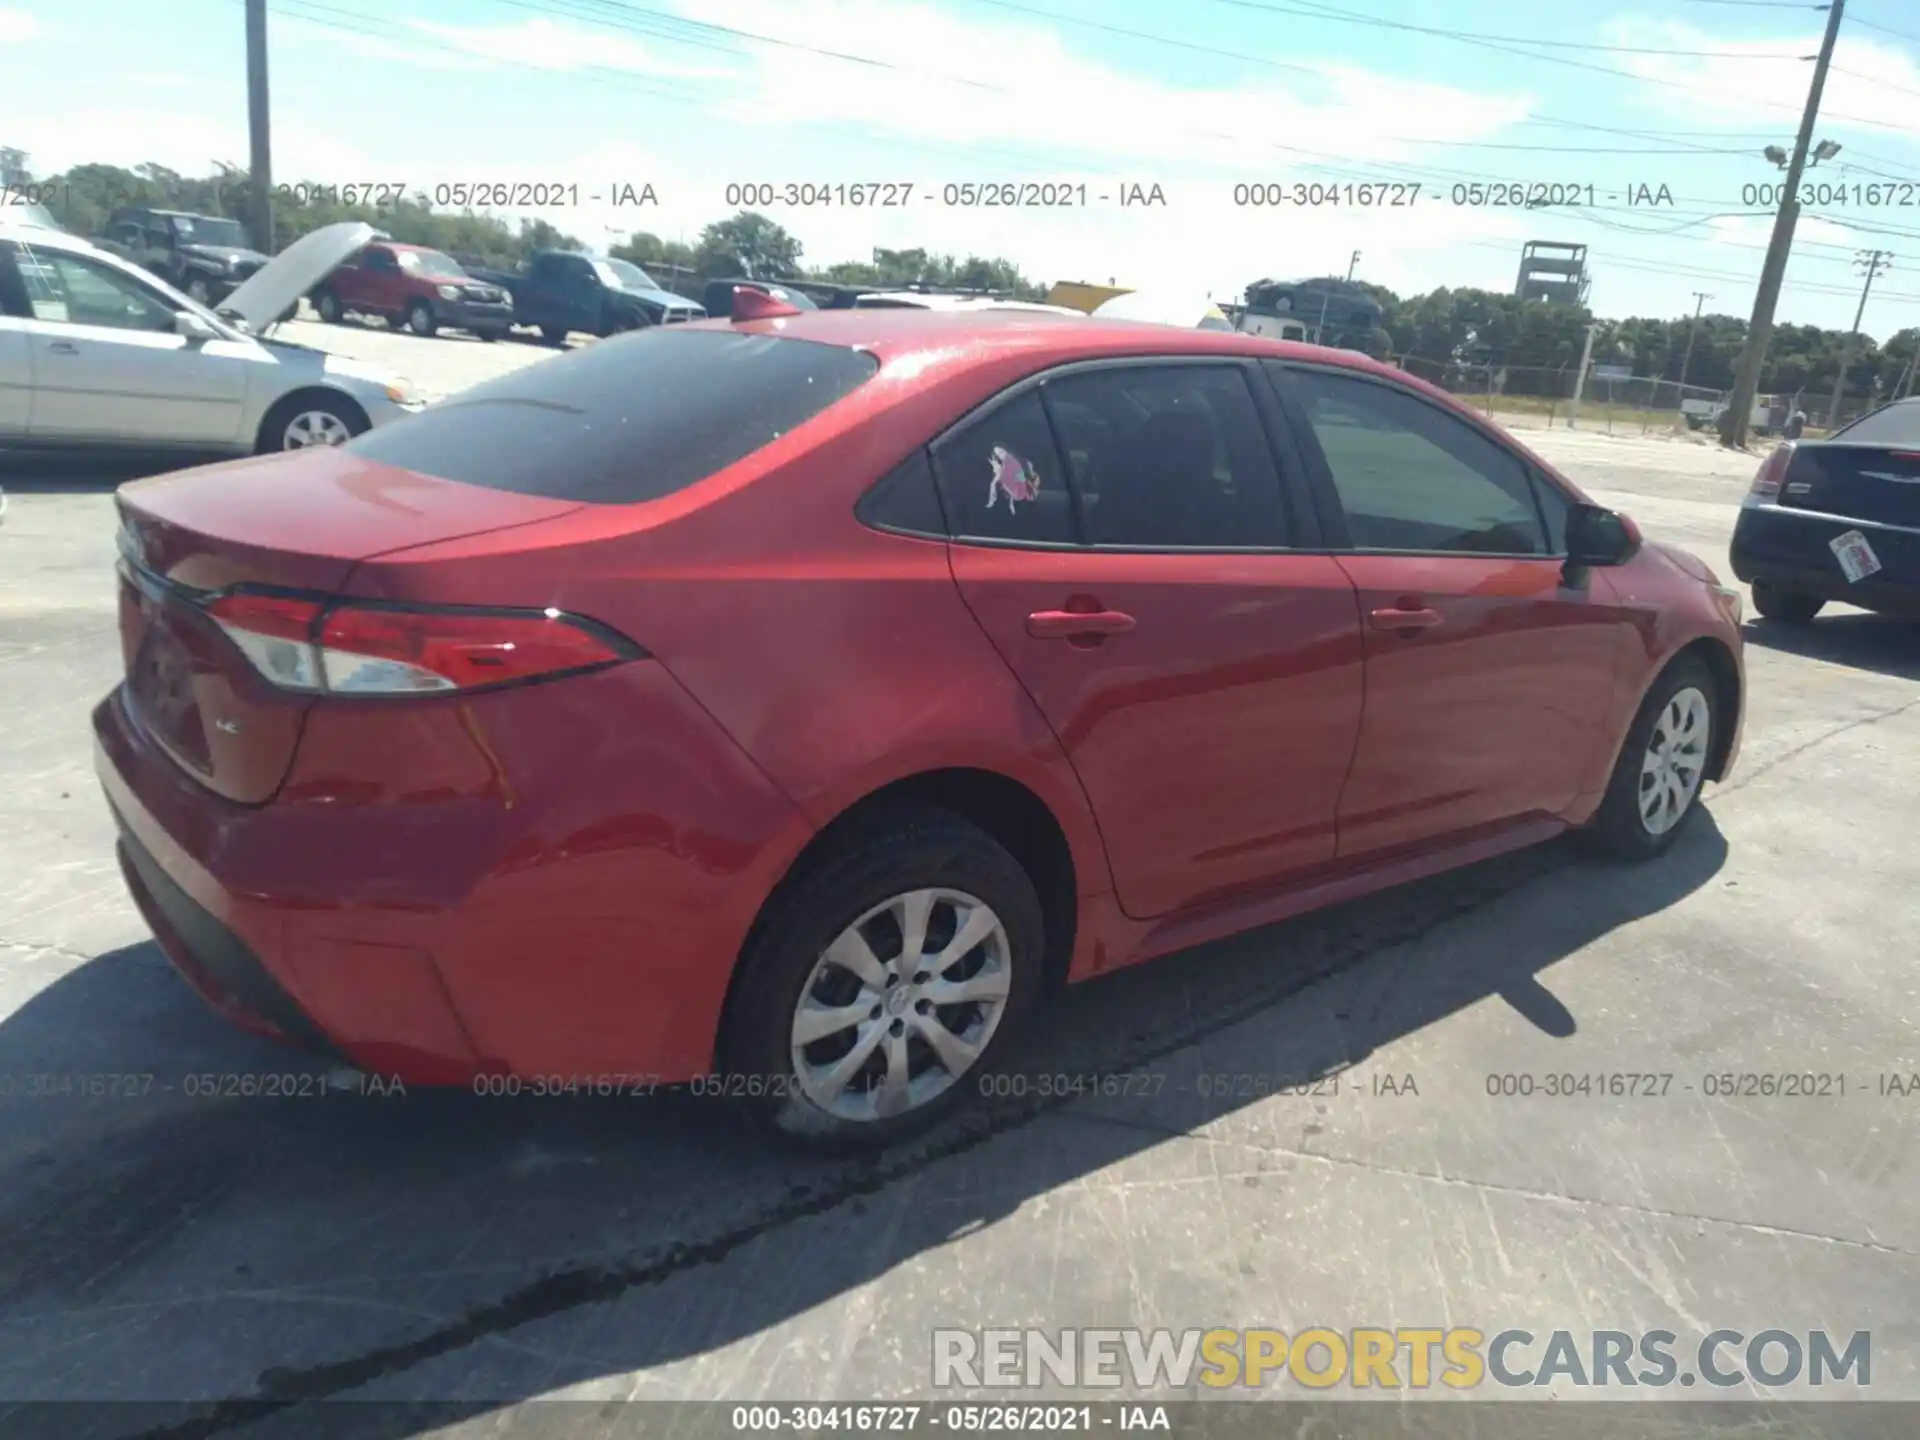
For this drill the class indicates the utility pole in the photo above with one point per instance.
(1753, 355)
(260, 165)
(1905, 387)
(1350, 264)
(1580, 380)
(1875, 262)
(1700, 298)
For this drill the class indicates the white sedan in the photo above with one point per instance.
(95, 352)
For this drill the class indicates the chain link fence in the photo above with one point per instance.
(1541, 397)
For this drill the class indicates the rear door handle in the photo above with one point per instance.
(1394, 618)
(62, 347)
(1066, 624)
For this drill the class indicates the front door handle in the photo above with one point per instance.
(1406, 620)
(1072, 624)
(62, 347)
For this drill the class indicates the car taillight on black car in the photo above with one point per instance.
(355, 648)
(1772, 471)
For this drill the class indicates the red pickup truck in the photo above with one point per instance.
(416, 287)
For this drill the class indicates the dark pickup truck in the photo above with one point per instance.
(562, 291)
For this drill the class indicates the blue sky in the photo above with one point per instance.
(1206, 95)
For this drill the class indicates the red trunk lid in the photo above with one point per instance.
(300, 522)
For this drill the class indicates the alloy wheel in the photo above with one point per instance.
(901, 1005)
(1676, 759)
(316, 427)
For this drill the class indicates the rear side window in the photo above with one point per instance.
(1170, 457)
(624, 420)
(1000, 477)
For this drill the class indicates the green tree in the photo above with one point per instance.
(749, 245)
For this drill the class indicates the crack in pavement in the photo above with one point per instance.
(1769, 766)
(1522, 1192)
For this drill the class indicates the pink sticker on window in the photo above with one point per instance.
(1013, 477)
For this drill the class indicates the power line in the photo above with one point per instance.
(1323, 12)
(1885, 29)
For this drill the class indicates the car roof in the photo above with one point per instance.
(892, 335)
(43, 238)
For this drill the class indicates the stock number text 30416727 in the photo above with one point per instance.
(1311, 194)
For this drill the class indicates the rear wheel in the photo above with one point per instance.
(420, 319)
(302, 421)
(1662, 766)
(883, 979)
(1772, 603)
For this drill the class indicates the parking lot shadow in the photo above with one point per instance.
(28, 472)
(249, 1260)
(1886, 644)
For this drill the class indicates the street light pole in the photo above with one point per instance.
(1580, 380)
(1350, 264)
(1753, 355)
(1875, 261)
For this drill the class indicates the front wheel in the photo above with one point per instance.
(198, 290)
(882, 980)
(328, 305)
(554, 334)
(1662, 766)
(302, 421)
(1771, 603)
(420, 319)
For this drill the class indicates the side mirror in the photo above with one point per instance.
(1599, 537)
(193, 326)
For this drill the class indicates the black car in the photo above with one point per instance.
(205, 256)
(1837, 519)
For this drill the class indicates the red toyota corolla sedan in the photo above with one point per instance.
(800, 699)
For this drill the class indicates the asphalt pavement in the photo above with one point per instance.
(167, 1241)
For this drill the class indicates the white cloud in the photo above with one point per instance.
(549, 45)
(949, 77)
(1763, 83)
(17, 27)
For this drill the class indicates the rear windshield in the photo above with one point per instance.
(624, 420)
(1896, 424)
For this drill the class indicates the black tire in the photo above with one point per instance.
(1619, 830)
(327, 305)
(490, 336)
(1770, 603)
(198, 289)
(554, 334)
(421, 320)
(892, 852)
(272, 438)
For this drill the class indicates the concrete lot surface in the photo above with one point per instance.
(171, 1246)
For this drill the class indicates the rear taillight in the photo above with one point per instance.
(1773, 469)
(306, 644)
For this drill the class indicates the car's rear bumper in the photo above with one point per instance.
(506, 885)
(1791, 550)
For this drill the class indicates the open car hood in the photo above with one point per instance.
(279, 284)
